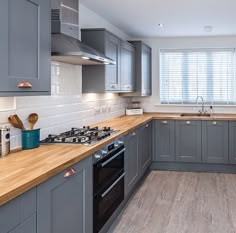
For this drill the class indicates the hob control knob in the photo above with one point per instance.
(104, 152)
(97, 156)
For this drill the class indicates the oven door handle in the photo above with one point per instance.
(113, 157)
(112, 186)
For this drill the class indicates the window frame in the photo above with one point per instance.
(204, 49)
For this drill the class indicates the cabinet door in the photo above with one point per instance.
(15, 212)
(112, 72)
(127, 67)
(145, 147)
(164, 140)
(232, 142)
(131, 162)
(188, 141)
(29, 226)
(215, 142)
(146, 70)
(65, 201)
(25, 45)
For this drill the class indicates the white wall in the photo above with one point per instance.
(152, 104)
(67, 107)
(90, 19)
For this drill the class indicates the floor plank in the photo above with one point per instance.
(182, 202)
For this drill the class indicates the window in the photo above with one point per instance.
(188, 73)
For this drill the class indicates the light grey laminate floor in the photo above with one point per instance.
(182, 202)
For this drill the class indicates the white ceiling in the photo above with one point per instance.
(140, 18)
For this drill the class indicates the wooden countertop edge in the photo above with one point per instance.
(147, 117)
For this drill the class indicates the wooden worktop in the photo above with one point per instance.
(23, 170)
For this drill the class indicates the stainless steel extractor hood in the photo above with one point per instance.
(66, 46)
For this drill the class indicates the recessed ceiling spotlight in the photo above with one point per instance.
(160, 25)
(208, 28)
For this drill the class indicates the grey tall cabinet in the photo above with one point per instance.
(25, 47)
(64, 202)
(108, 78)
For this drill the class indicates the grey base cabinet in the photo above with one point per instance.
(64, 203)
(131, 162)
(145, 147)
(164, 140)
(215, 142)
(188, 141)
(19, 215)
(29, 226)
(232, 142)
(25, 47)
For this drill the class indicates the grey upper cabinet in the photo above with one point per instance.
(144, 147)
(127, 67)
(143, 69)
(215, 142)
(64, 202)
(19, 214)
(188, 141)
(25, 47)
(112, 72)
(232, 142)
(131, 162)
(108, 78)
(164, 140)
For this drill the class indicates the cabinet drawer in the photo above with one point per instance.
(17, 211)
(28, 226)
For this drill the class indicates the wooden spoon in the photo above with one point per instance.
(32, 119)
(15, 123)
(20, 123)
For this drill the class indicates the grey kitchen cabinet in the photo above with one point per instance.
(215, 142)
(25, 47)
(127, 67)
(144, 147)
(232, 142)
(131, 162)
(28, 226)
(188, 141)
(14, 214)
(164, 140)
(143, 70)
(108, 78)
(64, 202)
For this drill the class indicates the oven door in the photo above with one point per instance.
(107, 201)
(107, 169)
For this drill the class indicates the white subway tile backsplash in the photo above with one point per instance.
(67, 107)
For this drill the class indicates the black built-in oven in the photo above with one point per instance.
(108, 186)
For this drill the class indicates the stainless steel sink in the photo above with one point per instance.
(195, 115)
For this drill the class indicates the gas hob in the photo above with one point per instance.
(86, 136)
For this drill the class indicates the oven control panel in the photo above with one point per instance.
(105, 151)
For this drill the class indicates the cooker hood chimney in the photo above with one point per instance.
(66, 46)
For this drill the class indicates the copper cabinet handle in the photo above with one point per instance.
(188, 122)
(69, 173)
(164, 122)
(24, 84)
(133, 134)
(214, 122)
(147, 125)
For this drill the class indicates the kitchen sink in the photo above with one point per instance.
(195, 115)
